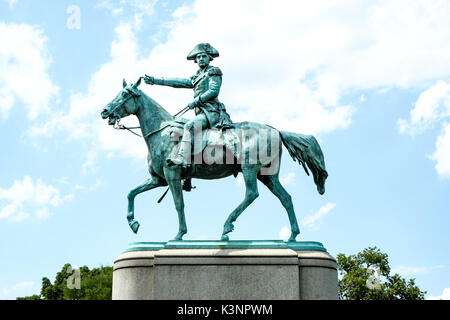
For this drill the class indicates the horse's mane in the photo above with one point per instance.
(161, 112)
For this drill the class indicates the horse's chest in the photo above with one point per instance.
(156, 161)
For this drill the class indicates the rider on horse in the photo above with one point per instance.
(209, 112)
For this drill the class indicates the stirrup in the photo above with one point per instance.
(176, 162)
(187, 185)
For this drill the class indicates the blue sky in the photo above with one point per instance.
(370, 79)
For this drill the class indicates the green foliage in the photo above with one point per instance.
(33, 297)
(355, 270)
(95, 284)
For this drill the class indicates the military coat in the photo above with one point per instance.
(206, 84)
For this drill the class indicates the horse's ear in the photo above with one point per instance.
(124, 83)
(134, 90)
(137, 83)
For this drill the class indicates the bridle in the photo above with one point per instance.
(119, 126)
(114, 114)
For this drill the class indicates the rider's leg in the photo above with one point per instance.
(193, 126)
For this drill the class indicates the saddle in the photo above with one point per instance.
(217, 138)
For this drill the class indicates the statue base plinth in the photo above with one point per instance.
(225, 270)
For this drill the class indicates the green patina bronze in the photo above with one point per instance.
(233, 244)
(254, 151)
(209, 112)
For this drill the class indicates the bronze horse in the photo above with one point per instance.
(258, 158)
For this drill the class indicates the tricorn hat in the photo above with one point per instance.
(203, 47)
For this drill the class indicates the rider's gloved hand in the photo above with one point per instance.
(149, 80)
(194, 103)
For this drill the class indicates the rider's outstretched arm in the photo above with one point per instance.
(171, 82)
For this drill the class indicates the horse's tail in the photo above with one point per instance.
(306, 150)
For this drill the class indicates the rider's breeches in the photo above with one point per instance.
(194, 126)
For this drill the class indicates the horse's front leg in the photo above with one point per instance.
(151, 183)
(173, 178)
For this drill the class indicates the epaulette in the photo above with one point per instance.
(214, 71)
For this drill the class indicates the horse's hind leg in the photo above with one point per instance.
(274, 185)
(251, 193)
(149, 184)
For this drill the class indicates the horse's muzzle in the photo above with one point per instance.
(104, 113)
(112, 120)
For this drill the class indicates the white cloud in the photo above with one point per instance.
(310, 221)
(43, 213)
(11, 3)
(444, 296)
(24, 196)
(83, 121)
(432, 108)
(288, 66)
(21, 289)
(239, 180)
(287, 179)
(414, 270)
(442, 153)
(285, 233)
(262, 64)
(117, 11)
(142, 8)
(139, 9)
(24, 62)
(90, 163)
(94, 186)
(98, 183)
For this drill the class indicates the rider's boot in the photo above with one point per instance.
(182, 156)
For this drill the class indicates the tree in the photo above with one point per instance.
(95, 284)
(366, 276)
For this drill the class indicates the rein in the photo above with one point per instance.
(119, 126)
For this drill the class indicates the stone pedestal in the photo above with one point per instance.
(225, 270)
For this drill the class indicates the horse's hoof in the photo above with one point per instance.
(228, 228)
(225, 238)
(179, 236)
(134, 226)
(293, 237)
(321, 189)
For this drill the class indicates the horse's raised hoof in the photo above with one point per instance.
(321, 189)
(225, 238)
(134, 225)
(228, 228)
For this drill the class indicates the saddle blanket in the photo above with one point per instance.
(210, 137)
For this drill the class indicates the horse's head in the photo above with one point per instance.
(123, 104)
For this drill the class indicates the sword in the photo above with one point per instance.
(164, 194)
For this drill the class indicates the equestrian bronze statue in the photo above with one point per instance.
(210, 146)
